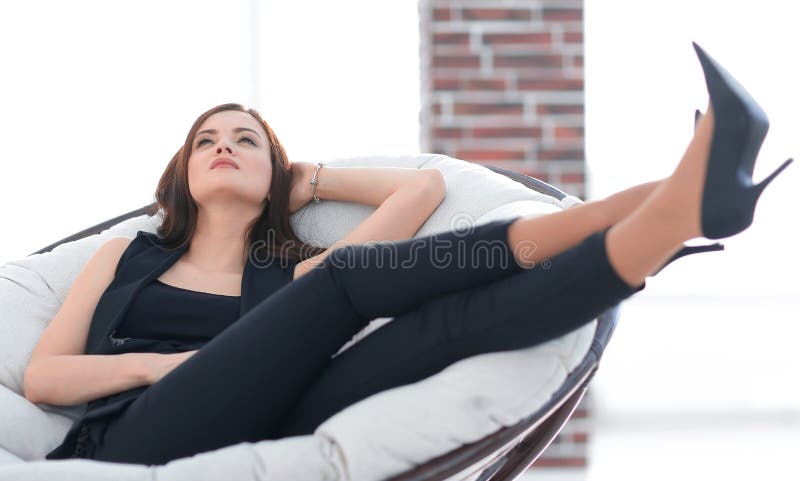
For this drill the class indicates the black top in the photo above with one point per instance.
(181, 316)
(139, 313)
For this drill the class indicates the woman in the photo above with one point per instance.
(195, 343)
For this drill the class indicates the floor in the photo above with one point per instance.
(696, 387)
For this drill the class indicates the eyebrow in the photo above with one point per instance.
(237, 129)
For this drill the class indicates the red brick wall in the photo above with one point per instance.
(502, 84)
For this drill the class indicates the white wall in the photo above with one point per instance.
(698, 381)
(643, 82)
(97, 96)
(340, 78)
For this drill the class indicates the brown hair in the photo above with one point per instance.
(271, 229)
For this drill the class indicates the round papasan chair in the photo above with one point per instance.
(486, 417)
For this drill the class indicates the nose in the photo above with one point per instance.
(224, 145)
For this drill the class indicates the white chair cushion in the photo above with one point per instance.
(294, 458)
(474, 397)
(26, 430)
(8, 458)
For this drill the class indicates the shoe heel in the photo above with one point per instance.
(759, 188)
(689, 250)
(752, 194)
(697, 116)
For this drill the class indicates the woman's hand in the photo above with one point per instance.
(161, 364)
(300, 192)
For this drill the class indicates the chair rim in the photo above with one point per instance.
(149, 209)
(512, 449)
(504, 454)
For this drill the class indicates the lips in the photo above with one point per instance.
(224, 160)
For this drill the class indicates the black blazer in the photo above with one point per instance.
(143, 261)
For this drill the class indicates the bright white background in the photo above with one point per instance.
(700, 379)
(97, 96)
(643, 83)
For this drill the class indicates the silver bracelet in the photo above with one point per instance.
(314, 181)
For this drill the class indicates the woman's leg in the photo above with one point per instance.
(621, 204)
(515, 312)
(529, 307)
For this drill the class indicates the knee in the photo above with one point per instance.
(366, 257)
(370, 257)
(345, 257)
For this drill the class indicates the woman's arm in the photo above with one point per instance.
(99, 375)
(405, 198)
(75, 379)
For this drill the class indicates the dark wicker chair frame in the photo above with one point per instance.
(507, 453)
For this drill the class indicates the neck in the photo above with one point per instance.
(218, 243)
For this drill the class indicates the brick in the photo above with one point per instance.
(562, 14)
(488, 155)
(577, 61)
(569, 133)
(437, 108)
(441, 14)
(449, 38)
(561, 154)
(537, 174)
(546, 109)
(499, 132)
(550, 84)
(469, 84)
(456, 61)
(449, 132)
(440, 83)
(512, 165)
(544, 38)
(580, 438)
(483, 84)
(579, 413)
(501, 14)
(461, 108)
(545, 462)
(573, 37)
(572, 178)
(528, 60)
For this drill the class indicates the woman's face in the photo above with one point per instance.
(239, 138)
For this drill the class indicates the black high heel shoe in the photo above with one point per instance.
(740, 125)
(689, 250)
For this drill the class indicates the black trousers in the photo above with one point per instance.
(270, 374)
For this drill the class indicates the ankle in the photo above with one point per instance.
(669, 204)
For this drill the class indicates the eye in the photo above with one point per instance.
(252, 142)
